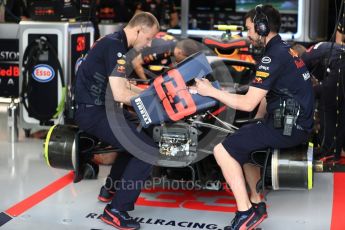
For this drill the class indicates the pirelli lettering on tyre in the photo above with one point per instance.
(143, 111)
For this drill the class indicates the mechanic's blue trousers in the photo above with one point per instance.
(129, 172)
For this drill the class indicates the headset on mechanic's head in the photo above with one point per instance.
(261, 25)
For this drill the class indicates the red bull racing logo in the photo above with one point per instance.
(43, 73)
(10, 71)
(257, 80)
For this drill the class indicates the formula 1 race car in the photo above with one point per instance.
(185, 135)
(186, 126)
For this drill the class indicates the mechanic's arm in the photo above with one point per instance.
(137, 64)
(262, 109)
(246, 102)
(173, 20)
(339, 38)
(131, 85)
(121, 90)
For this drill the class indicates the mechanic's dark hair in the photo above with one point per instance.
(300, 49)
(144, 19)
(188, 46)
(273, 17)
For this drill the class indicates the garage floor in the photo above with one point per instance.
(34, 196)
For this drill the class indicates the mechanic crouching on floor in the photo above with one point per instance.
(326, 63)
(104, 64)
(283, 89)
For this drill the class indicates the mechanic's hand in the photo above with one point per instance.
(192, 90)
(203, 87)
(133, 82)
(314, 81)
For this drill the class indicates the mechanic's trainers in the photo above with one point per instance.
(105, 195)
(245, 221)
(261, 209)
(119, 219)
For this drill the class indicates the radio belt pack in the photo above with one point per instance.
(168, 98)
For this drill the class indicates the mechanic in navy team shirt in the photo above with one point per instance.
(283, 89)
(325, 61)
(340, 34)
(105, 63)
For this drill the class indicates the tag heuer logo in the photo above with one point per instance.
(266, 60)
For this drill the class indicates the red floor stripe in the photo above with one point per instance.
(39, 196)
(338, 220)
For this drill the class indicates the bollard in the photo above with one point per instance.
(12, 122)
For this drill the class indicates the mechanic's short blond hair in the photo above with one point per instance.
(145, 19)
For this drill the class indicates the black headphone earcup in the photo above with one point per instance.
(262, 27)
(260, 20)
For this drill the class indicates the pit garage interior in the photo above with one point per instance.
(308, 192)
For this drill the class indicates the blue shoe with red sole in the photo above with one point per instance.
(261, 209)
(119, 219)
(245, 222)
(106, 195)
